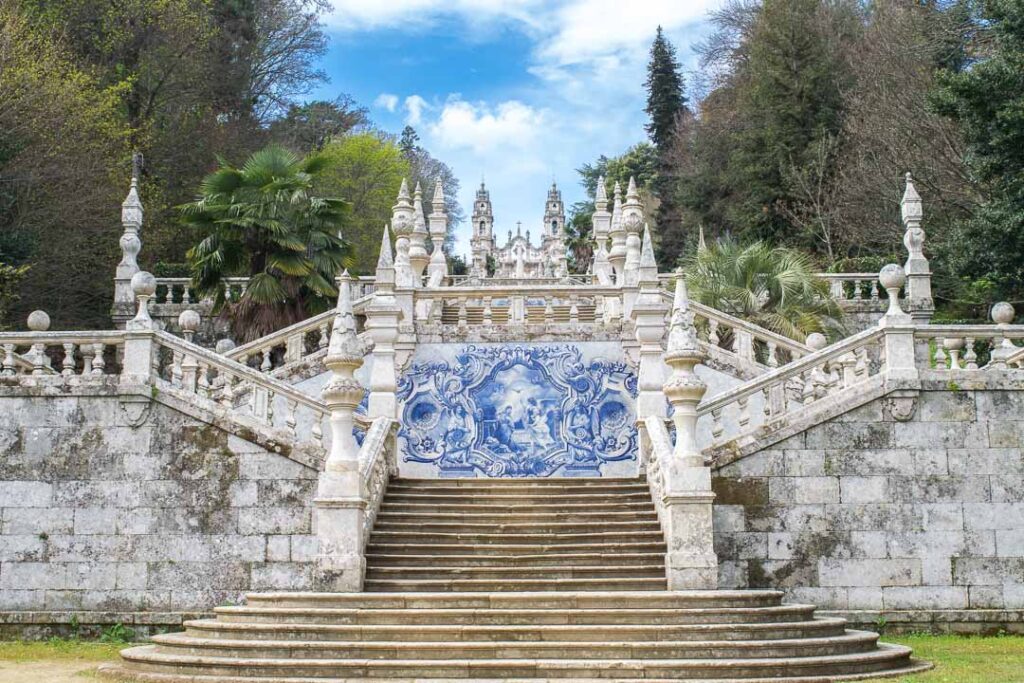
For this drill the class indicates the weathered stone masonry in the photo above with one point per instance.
(888, 518)
(139, 524)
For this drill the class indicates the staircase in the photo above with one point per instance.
(499, 580)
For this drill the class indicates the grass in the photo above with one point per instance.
(958, 659)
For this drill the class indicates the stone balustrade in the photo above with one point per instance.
(525, 305)
(287, 346)
(848, 287)
(68, 354)
(750, 343)
(971, 347)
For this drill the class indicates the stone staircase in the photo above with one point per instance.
(498, 580)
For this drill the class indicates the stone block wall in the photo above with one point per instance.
(171, 516)
(866, 513)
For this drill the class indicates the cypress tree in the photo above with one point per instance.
(665, 104)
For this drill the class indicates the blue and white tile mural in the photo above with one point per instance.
(508, 410)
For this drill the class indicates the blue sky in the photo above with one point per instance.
(517, 91)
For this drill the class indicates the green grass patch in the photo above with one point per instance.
(960, 659)
(58, 649)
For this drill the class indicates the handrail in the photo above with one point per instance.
(69, 337)
(280, 336)
(456, 292)
(377, 465)
(790, 370)
(781, 341)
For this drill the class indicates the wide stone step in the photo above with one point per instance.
(717, 600)
(433, 549)
(517, 584)
(449, 537)
(551, 558)
(513, 507)
(149, 659)
(642, 496)
(389, 516)
(846, 643)
(541, 571)
(497, 526)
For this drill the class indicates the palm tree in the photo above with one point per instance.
(263, 220)
(774, 287)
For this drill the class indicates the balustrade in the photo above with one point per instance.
(846, 287)
(82, 354)
(475, 307)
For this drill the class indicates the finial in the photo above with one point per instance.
(38, 321)
(631, 191)
(188, 321)
(682, 336)
(892, 278)
(601, 195)
(403, 191)
(419, 222)
(910, 205)
(438, 195)
(647, 251)
(144, 287)
(519, 228)
(384, 258)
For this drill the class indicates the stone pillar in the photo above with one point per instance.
(648, 315)
(418, 256)
(918, 274)
(691, 562)
(900, 354)
(340, 504)
(131, 245)
(138, 343)
(438, 223)
(617, 255)
(402, 222)
(633, 222)
(382, 317)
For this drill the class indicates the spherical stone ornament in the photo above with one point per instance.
(189, 320)
(143, 284)
(1003, 313)
(817, 341)
(892, 276)
(224, 346)
(38, 321)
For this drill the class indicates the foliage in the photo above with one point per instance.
(308, 127)
(639, 161)
(775, 287)
(265, 220)
(987, 102)
(960, 659)
(426, 170)
(367, 170)
(579, 240)
(10, 276)
(118, 634)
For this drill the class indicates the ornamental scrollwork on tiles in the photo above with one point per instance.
(518, 411)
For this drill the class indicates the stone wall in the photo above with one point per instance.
(107, 520)
(887, 518)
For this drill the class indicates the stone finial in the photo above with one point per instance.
(144, 287)
(684, 388)
(38, 321)
(417, 205)
(188, 321)
(632, 194)
(682, 336)
(403, 192)
(224, 346)
(1003, 313)
(402, 213)
(911, 206)
(384, 258)
(816, 341)
(617, 206)
(601, 196)
(437, 203)
(648, 265)
(919, 284)
(892, 278)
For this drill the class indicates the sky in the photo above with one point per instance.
(515, 92)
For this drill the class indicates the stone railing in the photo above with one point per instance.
(179, 290)
(526, 305)
(795, 386)
(69, 354)
(286, 346)
(204, 375)
(655, 456)
(377, 465)
(970, 347)
(474, 281)
(750, 343)
(845, 287)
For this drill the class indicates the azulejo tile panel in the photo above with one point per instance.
(518, 410)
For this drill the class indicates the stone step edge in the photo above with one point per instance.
(418, 549)
(115, 671)
(329, 611)
(515, 558)
(525, 596)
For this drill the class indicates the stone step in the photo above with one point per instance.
(389, 516)
(404, 535)
(544, 493)
(513, 506)
(535, 528)
(393, 497)
(846, 643)
(149, 659)
(522, 624)
(424, 549)
(541, 571)
(485, 483)
(552, 558)
(519, 585)
(717, 600)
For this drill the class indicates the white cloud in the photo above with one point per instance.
(387, 101)
(414, 107)
(483, 129)
(360, 14)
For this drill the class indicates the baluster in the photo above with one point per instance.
(38, 354)
(203, 383)
(766, 398)
(189, 373)
(939, 357)
(773, 358)
(97, 361)
(176, 368)
(322, 342)
(317, 432)
(744, 416)
(67, 366)
(266, 365)
(289, 418)
(970, 357)
(487, 311)
(599, 309)
(294, 347)
(837, 290)
(863, 366)
(463, 313)
(713, 332)
(270, 406)
(716, 424)
(857, 285)
(874, 290)
(953, 345)
(9, 367)
(809, 387)
(849, 363)
(549, 310)
(227, 394)
(574, 310)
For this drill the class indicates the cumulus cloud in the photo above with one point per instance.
(483, 129)
(387, 101)
(360, 14)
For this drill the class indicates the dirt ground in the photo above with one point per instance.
(48, 672)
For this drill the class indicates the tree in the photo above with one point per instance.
(408, 142)
(367, 169)
(666, 104)
(265, 220)
(10, 276)
(774, 287)
(579, 237)
(310, 126)
(987, 103)
(426, 170)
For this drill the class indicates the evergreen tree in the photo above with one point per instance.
(408, 143)
(666, 103)
(987, 101)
